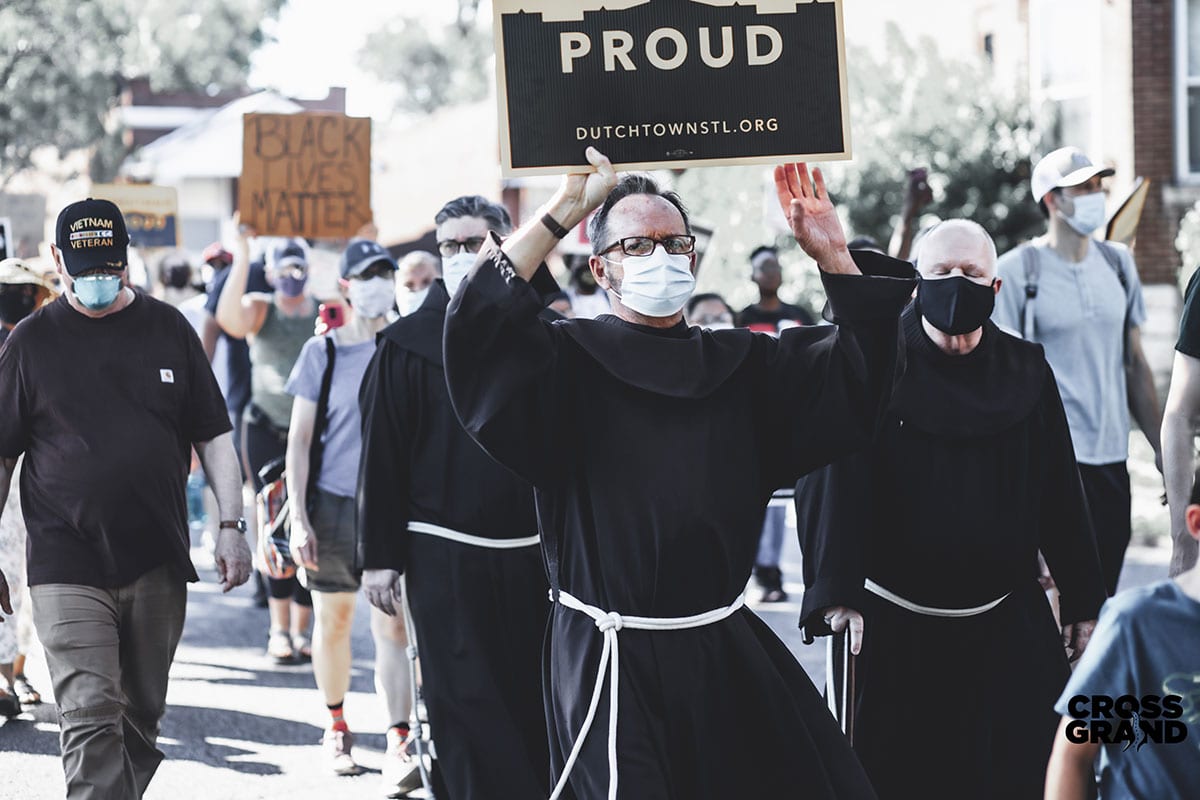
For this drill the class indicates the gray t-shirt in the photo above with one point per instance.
(1079, 318)
(1146, 643)
(343, 433)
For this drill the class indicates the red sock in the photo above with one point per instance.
(339, 718)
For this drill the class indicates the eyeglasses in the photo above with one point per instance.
(644, 245)
(380, 269)
(452, 247)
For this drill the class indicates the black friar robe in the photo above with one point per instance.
(653, 507)
(480, 613)
(972, 474)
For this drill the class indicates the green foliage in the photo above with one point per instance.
(910, 107)
(913, 108)
(433, 68)
(63, 63)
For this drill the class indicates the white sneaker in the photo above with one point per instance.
(401, 772)
(337, 745)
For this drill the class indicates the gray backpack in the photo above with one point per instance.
(1033, 269)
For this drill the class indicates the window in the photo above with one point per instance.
(1187, 88)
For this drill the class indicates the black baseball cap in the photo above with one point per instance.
(363, 253)
(91, 235)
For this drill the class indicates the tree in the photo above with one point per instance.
(433, 68)
(911, 107)
(63, 63)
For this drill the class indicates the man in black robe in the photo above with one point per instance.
(462, 530)
(656, 508)
(930, 539)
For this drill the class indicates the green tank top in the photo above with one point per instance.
(273, 351)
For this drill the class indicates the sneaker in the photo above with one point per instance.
(774, 596)
(337, 743)
(9, 707)
(771, 581)
(401, 771)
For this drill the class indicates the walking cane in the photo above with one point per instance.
(414, 717)
(840, 698)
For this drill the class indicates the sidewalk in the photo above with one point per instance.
(240, 728)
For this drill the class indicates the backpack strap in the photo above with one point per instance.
(316, 450)
(1113, 258)
(1029, 259)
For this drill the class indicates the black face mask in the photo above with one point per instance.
(16, 303)
(178, 276)
(956, 305)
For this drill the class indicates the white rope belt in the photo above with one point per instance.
(474, 541)
(610, 623)
(929, 611)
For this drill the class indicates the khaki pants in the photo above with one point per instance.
(109, 652)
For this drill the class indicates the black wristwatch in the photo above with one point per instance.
(238, 524)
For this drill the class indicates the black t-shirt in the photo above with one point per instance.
(1189, 323)
(754, 315)
(238, 384)
(105, 411)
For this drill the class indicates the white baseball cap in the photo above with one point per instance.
(1066, 166)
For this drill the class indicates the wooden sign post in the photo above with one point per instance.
(669, 83)
(306, 175)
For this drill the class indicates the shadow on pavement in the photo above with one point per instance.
(22, 734)
(193, 733)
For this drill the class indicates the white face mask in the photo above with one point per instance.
(409, 301)
(1089, 213)
(373, 297)
(657, 285)
(455, 269)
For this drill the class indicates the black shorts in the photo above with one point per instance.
(1106, 487)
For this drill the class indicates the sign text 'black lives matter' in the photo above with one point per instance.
(305, 174)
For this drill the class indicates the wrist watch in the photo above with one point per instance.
(238, 524)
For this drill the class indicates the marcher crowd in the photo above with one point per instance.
(952, 430)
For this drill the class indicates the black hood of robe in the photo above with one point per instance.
(987, 391)
(679, 361)
(420, 332)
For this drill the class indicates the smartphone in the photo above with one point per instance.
(332, 315)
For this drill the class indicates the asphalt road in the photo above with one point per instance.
(238, 727)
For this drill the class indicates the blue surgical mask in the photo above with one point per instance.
(97, 292)
(291, 286)
(1089, 213)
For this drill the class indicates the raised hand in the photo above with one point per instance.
(813, 218)
(582, 192)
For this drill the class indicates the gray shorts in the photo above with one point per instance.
(333, 521)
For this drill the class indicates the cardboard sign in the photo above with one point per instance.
(669, 83)
(1123, 224)
(151, 212)
(306, 175)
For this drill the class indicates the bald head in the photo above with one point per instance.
(957, 244)
(418, 269)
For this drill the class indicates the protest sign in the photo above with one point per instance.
(305, 174)
(151, 212)
(1123, 224)
(669, 83)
